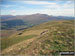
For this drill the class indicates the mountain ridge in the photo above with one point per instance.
(28, 20)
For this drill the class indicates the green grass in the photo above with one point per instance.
(6, 42)
(59, 38)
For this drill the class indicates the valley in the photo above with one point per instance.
(17, 22)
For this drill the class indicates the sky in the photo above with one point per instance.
(21, 7)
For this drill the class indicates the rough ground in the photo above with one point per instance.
(52, 37)
(18, 48)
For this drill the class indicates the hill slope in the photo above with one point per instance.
(50, 37)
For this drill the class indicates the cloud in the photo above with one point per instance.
(13, 12)
(23, 7)
(52, 6)
(38, 2)
(69, 4)
(6, 6)
(45, 7)
(58, 12)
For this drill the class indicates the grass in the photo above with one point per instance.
(6, 42)
(59, 38)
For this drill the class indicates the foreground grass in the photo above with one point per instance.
(60, 37)
(6, 42)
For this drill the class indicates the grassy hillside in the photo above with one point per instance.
(6, 42)
(60, 37)
(50, 38)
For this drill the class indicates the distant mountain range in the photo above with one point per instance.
(9, 21)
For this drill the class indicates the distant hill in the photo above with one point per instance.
(9, 21)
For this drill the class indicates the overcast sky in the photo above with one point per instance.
(56, 8)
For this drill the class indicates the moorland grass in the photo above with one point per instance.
(6, 42)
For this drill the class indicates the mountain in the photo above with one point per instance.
(44, 39)
(9, 21)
